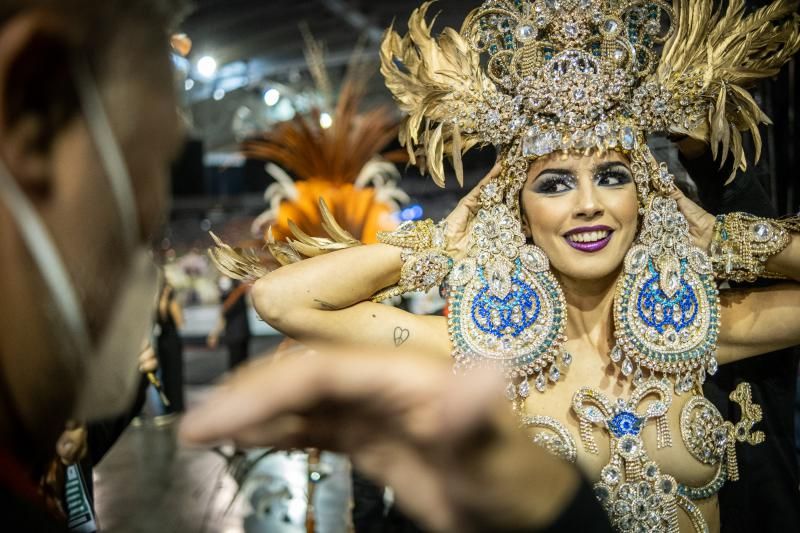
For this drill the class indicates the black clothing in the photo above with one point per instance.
(766, 498)
(169, 350)
(237, 327)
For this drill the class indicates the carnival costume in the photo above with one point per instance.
(538, 77)
(535, 78)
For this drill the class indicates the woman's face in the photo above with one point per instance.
(582, 211)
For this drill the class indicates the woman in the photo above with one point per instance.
(576, 267)
(169, 322)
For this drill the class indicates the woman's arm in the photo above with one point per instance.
(325, 300)
(787, 262)
(754, 320)
(177, 313)
(757, 321)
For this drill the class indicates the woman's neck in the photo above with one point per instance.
(589, 308)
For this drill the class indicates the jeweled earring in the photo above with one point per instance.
(506, 307)
(666, 308)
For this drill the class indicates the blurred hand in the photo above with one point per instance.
(701, 222)
(72, 445)
(459, 221)
(148, 361)
(448, 446)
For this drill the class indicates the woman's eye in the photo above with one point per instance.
(554, 184)
(613, 178)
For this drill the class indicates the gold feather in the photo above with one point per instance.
(236, 263)
(332, 228)
(458, 164)
(428, 77)
(728, 52)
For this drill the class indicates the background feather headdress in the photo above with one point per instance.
(344, 187)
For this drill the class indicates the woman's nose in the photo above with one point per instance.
(587, 204)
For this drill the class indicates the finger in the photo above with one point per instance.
(260, 394)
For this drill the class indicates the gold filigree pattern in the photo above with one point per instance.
(563, 75)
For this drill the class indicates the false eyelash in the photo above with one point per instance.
(622, 177)
(548, 184)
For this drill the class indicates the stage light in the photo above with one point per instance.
(219, 94)
(207, 66)
(412, 212)
(188, 84)
(271, 97)
(325, 121)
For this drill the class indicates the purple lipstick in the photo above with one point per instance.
(589, 238)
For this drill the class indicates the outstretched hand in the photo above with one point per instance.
(460, 219)
(451, 452)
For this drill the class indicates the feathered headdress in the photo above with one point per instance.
(344, 191)
(536, 77)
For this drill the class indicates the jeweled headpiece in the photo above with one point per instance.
(535, 77)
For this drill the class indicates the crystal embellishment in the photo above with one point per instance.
(525, 32)
(627, 367)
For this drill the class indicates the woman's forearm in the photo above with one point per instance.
(333, 281)
(787, 262)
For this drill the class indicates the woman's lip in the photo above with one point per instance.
(595, 246)
(587, 229)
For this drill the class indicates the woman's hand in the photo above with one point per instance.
(701, 222)
(460, 219)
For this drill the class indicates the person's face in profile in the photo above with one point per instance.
(50, 150)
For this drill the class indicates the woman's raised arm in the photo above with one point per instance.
(758, 321)
(325, 300)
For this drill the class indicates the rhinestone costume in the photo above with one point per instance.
(537, 77)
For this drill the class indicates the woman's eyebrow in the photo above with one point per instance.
(556, 171)
(609, 165)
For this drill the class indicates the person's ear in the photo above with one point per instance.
(526, 228)
(37, 96)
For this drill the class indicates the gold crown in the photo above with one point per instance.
(535, 77)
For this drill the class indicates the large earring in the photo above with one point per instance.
(666, 308)
(506, 307)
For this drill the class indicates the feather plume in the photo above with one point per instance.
(728, 51)
(430, 77)
(341, 164)
(236, 263)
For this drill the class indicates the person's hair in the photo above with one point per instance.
(109, 34)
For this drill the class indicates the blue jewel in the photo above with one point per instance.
(651, 296)
(625, 423)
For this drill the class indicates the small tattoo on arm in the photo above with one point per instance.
(325, 306)
(401, 335)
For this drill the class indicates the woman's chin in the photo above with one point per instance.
(587, 267)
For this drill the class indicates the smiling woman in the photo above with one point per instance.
(582, 211)
(576, 267)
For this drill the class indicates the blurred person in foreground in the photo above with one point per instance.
(88, 127)
(454, 455)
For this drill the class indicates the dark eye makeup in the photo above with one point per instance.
(560, 181)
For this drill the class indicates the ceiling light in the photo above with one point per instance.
(219, 94)
(325, 121)
(271, 97)
(207, 66)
